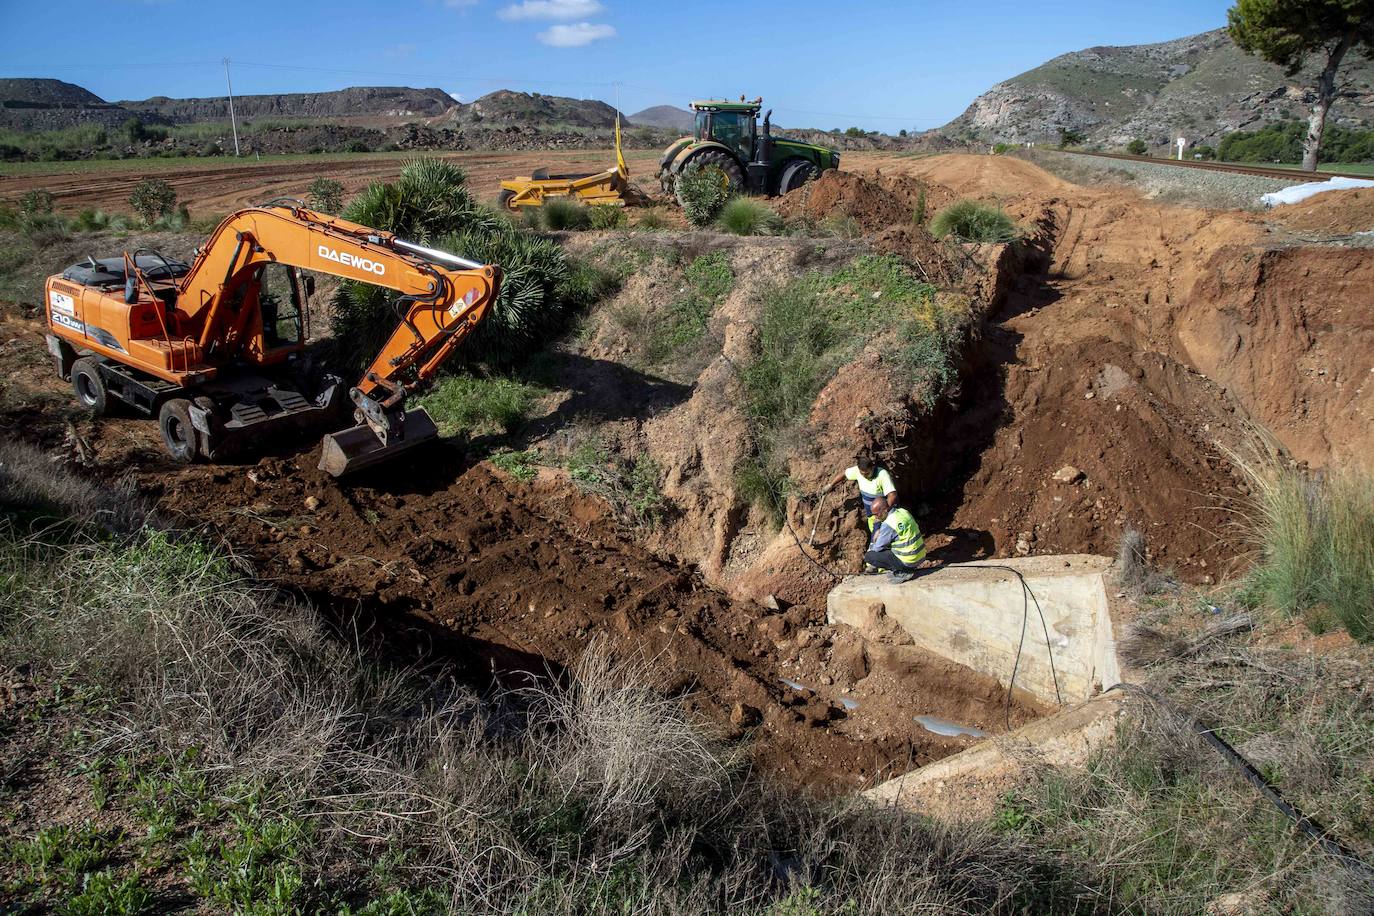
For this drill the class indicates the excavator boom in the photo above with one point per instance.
(203, 347)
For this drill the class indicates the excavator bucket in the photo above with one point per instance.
(358, 447)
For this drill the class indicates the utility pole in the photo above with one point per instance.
(233, 123)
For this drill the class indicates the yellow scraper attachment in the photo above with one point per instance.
(358, 447)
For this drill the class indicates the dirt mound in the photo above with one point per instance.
(1332, 213)
(969, 175)
(875, 204)
(516, 577)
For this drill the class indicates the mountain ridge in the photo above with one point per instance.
(1200, 87)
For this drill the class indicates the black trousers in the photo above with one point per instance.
(886, 559)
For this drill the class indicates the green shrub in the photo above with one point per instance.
(971, 221)
(811, 326)
(1001, 149)
(746, 216)
(35, 202)
(100, 894)
(430, 204)
(1315, 540)
(631, 486)
(841, 226)
(1137, 147)
(520, 465)
(709, 280)
(606, 216)
(562, 214)
(325, 195)
(152, 199)
(480, 406)
(1282, 141)
(652, 220)
(702, 193)
(918, 215)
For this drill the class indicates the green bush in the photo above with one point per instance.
(325, 195)
(152, 199)
(811, 326)
(35, 202)
(709, 280)
(746, 216)
(1137, 147)
(480, 406)
(562, 214)
(1001, 149)
(1282, 141)
(918, 215)
(430, 204)
(606, 216)
(970, 221)
(652, 220)
(1315, 540)
(702, 193)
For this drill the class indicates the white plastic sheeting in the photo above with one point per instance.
(1303, 191)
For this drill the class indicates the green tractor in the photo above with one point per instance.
(753, 161)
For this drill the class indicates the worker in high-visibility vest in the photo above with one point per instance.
(875, 485)
(897, 545)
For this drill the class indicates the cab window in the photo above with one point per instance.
(732, 128)
(280, 301)
(703, 127)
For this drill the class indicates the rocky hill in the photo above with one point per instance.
(533, 109)
(44, 104)
(669, 116)
(354, 102)
(1200, 87)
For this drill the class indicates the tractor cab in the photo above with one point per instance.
(731, 124)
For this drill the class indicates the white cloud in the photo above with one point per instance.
(575, 36)
(551, 9)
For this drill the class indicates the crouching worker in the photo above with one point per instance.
(897, 545)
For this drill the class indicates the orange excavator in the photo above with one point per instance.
(216, 349)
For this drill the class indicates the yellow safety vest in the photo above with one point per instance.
(908, 546)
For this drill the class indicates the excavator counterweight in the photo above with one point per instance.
(218, 349)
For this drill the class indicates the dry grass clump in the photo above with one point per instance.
(1170, 827)
(1313, 535)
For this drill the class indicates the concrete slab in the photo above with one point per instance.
(972, 613)
(968, 785)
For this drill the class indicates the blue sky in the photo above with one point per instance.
(873, 63)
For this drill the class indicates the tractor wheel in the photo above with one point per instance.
(89, 386)
(178, 435)
(504, 198)
(795, 174)
(722, 162)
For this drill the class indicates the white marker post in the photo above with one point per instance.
(1181, 144)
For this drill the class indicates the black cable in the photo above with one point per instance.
(1027, 596)
(1307, 825)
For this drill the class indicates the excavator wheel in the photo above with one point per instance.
(504, 198)
(178, 435)
(89, 386)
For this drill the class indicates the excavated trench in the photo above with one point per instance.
(511, 579)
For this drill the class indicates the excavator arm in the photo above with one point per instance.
(443, 298)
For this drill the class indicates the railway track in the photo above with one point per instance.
(1294, 175)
